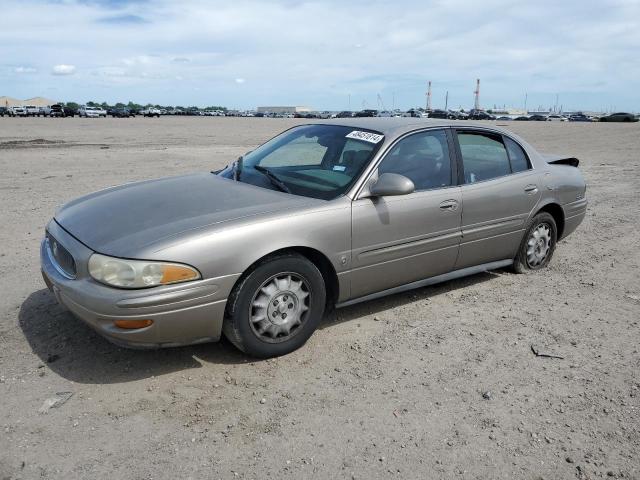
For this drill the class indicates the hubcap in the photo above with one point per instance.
(279, 307)
(538, 245)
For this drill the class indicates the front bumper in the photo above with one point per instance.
(182, 314)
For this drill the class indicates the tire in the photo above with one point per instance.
(538, 244)
(281, 285)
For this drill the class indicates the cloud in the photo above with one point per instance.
(127, 19)
(138, 49)
(25, 70)
(63, 69)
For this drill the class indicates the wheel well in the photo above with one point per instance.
(319, 260)
(557, 213)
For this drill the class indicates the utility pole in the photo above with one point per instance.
(446, 101)
(429, 97)
(349, 102)
(525, 102)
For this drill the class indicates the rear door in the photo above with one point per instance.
(499, 191)
(401, 239)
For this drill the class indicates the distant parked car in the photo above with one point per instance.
(579, 117)
(56, 110)
(91, 112)
(32, 111)
(504, 118)
(619, 117)
(522, 118)
(477, 115)
(18, 111)
(4, 111)
(538, 118)
(557, 118)
(344, 114)
(121, 112)
(439, 114)
(70, 111)
(368, 112)
(150, 112)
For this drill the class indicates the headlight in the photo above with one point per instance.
(122, 273)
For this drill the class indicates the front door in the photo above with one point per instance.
(401, 239)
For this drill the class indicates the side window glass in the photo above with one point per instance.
(484, 157)
(423, 158)
(519, 161)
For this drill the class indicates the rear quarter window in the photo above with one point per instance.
(517, 156)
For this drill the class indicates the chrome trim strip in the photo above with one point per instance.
(445, 277)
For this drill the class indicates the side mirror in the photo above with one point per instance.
(391, 184)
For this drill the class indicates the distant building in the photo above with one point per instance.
(36, 101)
(283, 109)
(508, 111)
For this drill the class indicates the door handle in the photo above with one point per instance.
(531, 189)
(451, 205)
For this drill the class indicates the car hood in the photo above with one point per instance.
(120, 221)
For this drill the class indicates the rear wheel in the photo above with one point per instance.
(538, 244)
(276, 307)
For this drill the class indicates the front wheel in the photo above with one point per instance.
(538, 244)
(276, 307)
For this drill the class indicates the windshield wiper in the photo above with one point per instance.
(273, 178)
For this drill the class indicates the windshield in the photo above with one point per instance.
(318, 161)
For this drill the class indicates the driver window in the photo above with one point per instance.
(423, 158)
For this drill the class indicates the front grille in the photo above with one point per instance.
(61, 257)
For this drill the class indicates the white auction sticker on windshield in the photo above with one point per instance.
(366, 136)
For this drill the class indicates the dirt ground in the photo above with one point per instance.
(440, 382)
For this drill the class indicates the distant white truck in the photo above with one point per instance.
(91, 112)
(150, 112)
(32, 111)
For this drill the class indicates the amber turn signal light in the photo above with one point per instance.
(177, 273)
(132, 324)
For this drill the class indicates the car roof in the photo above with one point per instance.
(392, 127)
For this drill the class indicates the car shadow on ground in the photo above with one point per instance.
(74, 351)
(380, 305)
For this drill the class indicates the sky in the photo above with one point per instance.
(328, 55)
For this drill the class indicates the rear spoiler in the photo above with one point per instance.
(561, 160)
